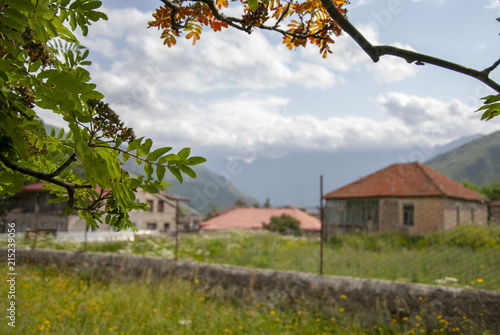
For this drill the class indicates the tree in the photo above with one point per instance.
(240, 202)
(315, 22)
(491, 192)
(42, 66)
(284, 224)
(267, 204)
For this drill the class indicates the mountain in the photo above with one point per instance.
(295, 178)
(207, 190)
(477, 161)
(452, 145)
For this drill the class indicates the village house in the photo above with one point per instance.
(253, 218)
(30, 210)
(495, 212)
(410, 198)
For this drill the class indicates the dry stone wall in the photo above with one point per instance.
(395, 299)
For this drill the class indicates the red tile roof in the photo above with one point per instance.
(252, 218)
(37, 187)
(405, 180)
(495, 203)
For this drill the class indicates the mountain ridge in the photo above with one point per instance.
(477, 161)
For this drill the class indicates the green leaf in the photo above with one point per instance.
(133, 183)
(14, 19)
(90, 5)
(492, 98)
(38, 28)
(33, 67)
(160, 172)
(50, 27)
(148, 168)
(176, 172)
(157, 153)
(184, 153)
(253, 5)
(150, 188)
(66, 82)
(168, 158)
(58, 200)
(21, 5)
(144, 148)
(125, 157)
(187, 170)
(76, 4)
(195, 160)
(134, 144)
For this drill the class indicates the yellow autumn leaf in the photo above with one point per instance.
(222, 3)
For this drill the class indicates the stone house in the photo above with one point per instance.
(410, 198)
(161, 215)
(31, 210)
(495, 212)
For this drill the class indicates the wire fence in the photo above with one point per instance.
(90, 236)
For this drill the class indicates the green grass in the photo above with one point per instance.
(470, 254)
(52, 301)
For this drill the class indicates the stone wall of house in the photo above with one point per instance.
(431, 214)
(393, 299)
(390, 216)
(459, 212)
(28, 221)
(154, 219)
(495, 213)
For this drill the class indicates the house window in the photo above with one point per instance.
(150, 204)
(166, 227)
(408, 215)
(160, 206)
(151, 226)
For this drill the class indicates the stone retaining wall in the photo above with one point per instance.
(395, 299)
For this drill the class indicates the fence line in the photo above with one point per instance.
(93, 236)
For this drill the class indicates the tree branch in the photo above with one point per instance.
(491, 68)
(221, 17)
(70, 187)
(375, 52)
(66, 164)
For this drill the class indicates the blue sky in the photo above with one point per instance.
(233, 94)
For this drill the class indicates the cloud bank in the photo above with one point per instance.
(226, 95)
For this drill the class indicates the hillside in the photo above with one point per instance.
(477, 161)
(206, 190)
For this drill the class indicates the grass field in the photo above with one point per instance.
(466, 257)
(51, 301)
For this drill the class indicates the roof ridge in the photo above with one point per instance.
(429, 177)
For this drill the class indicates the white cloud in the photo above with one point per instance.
(359, 3)
(493, 4)
(348, 56)
(225, 60)
(225, 93)
(391, 69)
(429, 119)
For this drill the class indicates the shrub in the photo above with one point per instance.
(285, 225)
(465, 236)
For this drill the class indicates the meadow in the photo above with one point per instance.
(466, 257)
(62, 301)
